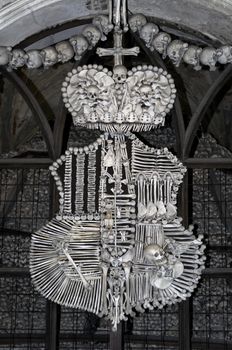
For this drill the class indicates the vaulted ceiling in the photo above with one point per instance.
(20, 19)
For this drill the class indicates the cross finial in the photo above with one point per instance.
(118, 51)
(117, 11)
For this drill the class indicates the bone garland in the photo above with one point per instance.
(136, 99)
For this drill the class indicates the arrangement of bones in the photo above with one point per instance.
(154, 38)
(117, 245)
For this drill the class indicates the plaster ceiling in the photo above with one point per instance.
(20, 19)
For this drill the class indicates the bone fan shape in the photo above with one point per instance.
(117, 244)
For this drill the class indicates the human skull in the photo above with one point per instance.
(155, 254)
(120, 74)
(5, 55)
(93, 92)
(192, 56)
(176, 50)
(103, 24)
(147, 33)
(65, 51)
(136, 22)
(145, 90)
(160, 43)
(33, 59)
(49, 56)
(209, 57)
(80, 45)
(17, 59)
(92, 34)
(226, 56)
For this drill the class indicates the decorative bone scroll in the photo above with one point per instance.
(117, 244)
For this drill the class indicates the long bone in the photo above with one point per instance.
(86, 284)
(141, 196)
(69, 295)
(62, 289)
(120, 196)
(79, 288)
(90, 298)
(183, 285)
(98, 299)
(127, 269)
(105, 268)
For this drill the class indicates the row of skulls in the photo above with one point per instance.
(178, 50)
(155, 39)
(63, 51)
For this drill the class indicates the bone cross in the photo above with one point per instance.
(118, 51)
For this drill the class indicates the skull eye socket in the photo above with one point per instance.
(156, 254)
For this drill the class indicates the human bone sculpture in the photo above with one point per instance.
(102, 25)
(117, 244)
(137, 99)
(106, 257)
